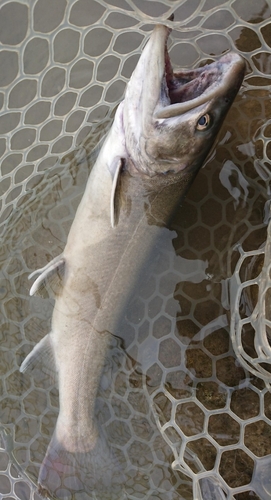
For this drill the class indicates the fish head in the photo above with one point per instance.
(171, 118)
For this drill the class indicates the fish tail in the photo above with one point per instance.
(95, 472)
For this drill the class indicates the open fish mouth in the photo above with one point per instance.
(184, 90)
(165, 112)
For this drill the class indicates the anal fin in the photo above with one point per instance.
(50, 278)
(41, 353)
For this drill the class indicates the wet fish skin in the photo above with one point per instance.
(149, 159)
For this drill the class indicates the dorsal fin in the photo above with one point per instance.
(50, 278)
(114, 207)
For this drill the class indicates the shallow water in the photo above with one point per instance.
(178, 395)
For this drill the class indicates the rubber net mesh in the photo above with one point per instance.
(188, 403)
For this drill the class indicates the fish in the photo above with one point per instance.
(162, 133)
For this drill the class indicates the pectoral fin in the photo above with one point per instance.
(50, 278)
(115, 169)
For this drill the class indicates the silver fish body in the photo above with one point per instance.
(161, 135)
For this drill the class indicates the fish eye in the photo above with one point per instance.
(203, 122)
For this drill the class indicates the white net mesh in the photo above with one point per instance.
(181, 409)
(250, 315)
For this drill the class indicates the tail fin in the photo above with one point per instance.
(95, 473)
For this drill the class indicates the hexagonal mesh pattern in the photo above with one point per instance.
(250, 328)
(185, 415)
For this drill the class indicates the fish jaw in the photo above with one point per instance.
(162, 108)
(143, 89)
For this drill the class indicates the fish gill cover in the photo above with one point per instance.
(64, 76)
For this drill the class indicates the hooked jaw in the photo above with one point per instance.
(171, 117)
(188, 89)
(160, 93)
